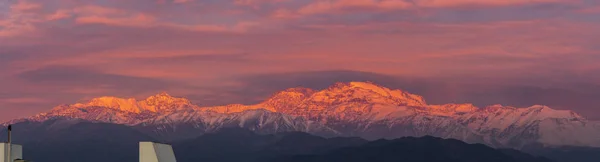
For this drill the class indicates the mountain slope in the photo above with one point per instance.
(425, 149)
(345, 109)
(191, 124)
(96, 142)
(518, 127)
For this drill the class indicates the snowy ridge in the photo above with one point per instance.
(344, 109)
(518, 127)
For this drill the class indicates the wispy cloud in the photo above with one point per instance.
(482, 3)
(27, 100)
(78, 49)
(350, 5)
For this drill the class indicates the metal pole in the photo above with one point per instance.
(9, 144)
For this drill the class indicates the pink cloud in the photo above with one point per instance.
(23, 100)
(206, 46)
(134, 20)
(339, 6)
(94, 14)
(182, 1)
(240, 27)
(98, 10)
(60, 14)
(24, 17)
(283, 13)
(200, 28)
(87, 90)
(20, 18)
(256, 2)
(590, 10)
(322, 6)
(454, 3)
(23, 5)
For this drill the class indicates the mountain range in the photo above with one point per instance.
(354, 109)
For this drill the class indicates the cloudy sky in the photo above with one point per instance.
(510, 52)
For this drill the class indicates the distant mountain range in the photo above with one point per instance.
(345, 109)
(355, 109)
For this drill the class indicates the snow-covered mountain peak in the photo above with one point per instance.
(535, 112)
(352, 108)
(164, 102)
(547, 112)
(497, 107)
(164, 97)
(287, 99)
(108, 99)
(367, 92)
(299, 90)
(521, 126)
(503, 118)
(292, 93)
(369, 85)
(361, 85)
(451, 109)
(159, 102)
(128, 105)
(236, 108)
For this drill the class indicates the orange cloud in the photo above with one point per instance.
(339, 5)
(98, 14)
(201, 47)
(98, 10)
(87, 90)
(335, 6)
(283, 13)
(20, 19)
(240, 27)
(137, 20)
(25, 6)
(454, 3)
(60, 14)
(255, 2)
(24, 100)
(182, 1)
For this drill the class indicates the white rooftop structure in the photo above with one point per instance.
(149, 151)
(16, 152)
(156, 152)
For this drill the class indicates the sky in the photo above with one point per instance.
(214, 52)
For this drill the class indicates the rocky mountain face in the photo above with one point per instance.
(345, 109)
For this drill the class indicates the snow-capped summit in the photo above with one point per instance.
(128, 105)
(159, 102)
(366, 92)
(520, 126)
(288, 99)
(164, 102)
(451, 109)
(536, 112)
(398, 94)
(345, 109)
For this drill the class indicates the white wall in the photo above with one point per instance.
(155, 152)
(16, 152)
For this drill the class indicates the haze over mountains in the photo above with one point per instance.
(358, 109)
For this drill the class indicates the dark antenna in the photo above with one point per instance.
(9, 142)
(9, 132)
